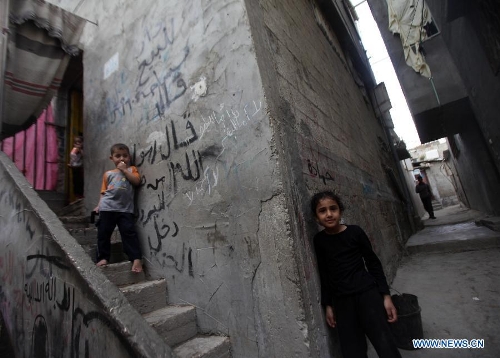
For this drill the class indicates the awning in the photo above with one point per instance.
(42, 37)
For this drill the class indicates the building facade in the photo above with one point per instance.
(236, 112)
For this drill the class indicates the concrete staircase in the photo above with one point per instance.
(436, 205)
(175, 323)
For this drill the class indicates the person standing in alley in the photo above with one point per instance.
(76, 165)
(116, 208)
(424, 190)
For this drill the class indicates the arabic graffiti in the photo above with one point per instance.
(315, 172)
(161, 233)
(12, 200)
(158, 86)
(46, 292)
(178, 264)
(150, 154)
(86, 326)
(41, 260)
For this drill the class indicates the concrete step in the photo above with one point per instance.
(117, 254)
(54, 200)
(88, 235)
(75, 208)
(75, 222)
(436, 205)
(121, 273)
(204, 347)
(492, 223)
(84, 235)
(147, 296)
(453, 238)
(175, 324)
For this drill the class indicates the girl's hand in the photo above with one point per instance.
(392, 313)
(330, 317)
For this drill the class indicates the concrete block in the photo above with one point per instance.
(205, 347)
(147, 296)
(175, 324)
(121, 273)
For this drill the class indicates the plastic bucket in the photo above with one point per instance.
(409, 323)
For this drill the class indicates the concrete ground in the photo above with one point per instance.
(453, 267)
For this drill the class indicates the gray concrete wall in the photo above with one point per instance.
(52, 297)
(327, 137)
(187, 98)
(482, 85)
(236, 112)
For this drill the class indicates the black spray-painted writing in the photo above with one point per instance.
(315, 172)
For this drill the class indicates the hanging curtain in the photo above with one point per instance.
(42, 37)
(35, 152)
(408, 18)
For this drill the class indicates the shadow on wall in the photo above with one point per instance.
(6, 349)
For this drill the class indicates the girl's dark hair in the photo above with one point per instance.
(325, 195)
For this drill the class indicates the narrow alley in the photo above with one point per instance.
(452, 266)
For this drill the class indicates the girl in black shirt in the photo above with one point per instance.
(354, 289)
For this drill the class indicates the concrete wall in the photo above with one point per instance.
(462, 39)
(187, 98)
(327, 137)
(236, 112)
(51, 295)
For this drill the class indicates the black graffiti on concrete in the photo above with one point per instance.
(315, 172)
(57, 261)
(161, 233)
(150, 154)
(172, 262)
(13, 201)
(145, 218)
(156, 186)
(81, 323)
(40, 338)
(40, 259)
(46, 292)
(190, 262)
(187, 173)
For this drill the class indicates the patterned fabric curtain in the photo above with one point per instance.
(42, 37)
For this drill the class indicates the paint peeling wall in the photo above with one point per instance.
(46, 303)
